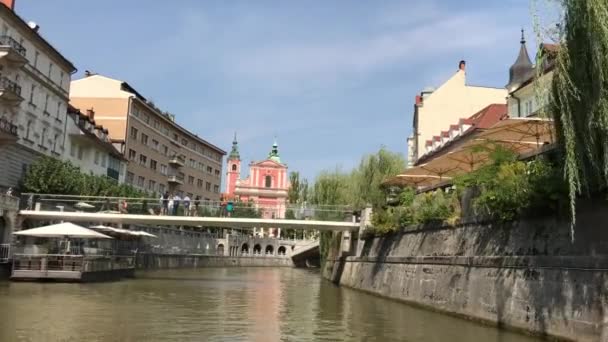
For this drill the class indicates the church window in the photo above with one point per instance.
(268, 181)
(233, 167)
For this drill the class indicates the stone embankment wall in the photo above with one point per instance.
(166, 261)
(527, 275)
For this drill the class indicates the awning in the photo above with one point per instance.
(122, 231)
(523, 136)
(63, 230)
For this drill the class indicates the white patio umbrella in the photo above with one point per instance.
(142, 233)
(83, 205)
(63, 230)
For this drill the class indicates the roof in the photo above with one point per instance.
(548, 50)
(106, 144)
(5, 10)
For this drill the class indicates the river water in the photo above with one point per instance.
(222, 304)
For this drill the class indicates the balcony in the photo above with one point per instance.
(10, 92)
(8, 131)
(175, 179)
(177, 161)
(12, 51)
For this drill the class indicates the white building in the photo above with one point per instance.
(34, 88)
(89, 147)
(528, 93)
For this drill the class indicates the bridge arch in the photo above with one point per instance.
(220, 249)
(245, 249)
(282, 250)
(269, 250)
(257, 249)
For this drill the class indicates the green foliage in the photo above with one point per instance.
(580, 97)
(432, 207)
(245, 210)
(508, 187)
(53, 176)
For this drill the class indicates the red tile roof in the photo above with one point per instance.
(489, 116)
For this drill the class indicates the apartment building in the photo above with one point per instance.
(163, 156)
(435, 109)
(89, 147)
(34, 95)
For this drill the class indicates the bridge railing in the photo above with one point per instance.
(179, 207)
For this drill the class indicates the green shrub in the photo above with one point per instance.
(432, 207)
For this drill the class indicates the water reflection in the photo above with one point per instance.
(232, 304)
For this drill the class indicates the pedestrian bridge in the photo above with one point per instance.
(222, 222)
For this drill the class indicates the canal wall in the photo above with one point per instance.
(527, 275)
(145, 261)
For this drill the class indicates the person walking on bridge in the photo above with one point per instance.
(164, 208)
(187, 205)
(176, 200)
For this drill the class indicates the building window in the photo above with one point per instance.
(146, 118)
(59, 110)
(155, 144)
(207, 186)
(103, 160)
(268, 181)
(209, 169)
(201, 166)
(161, 188)
(165, 150)
(32, 94)
(217, 172)
(151, 185)
(144, 139)
(133, 133)
(156, 124)
(50, 74)
(36, 56)
(140, 181)
(135, 112)
(216, 188)
(28, 129)
(192, 163)
(153, 164)
(61, 76)
(163, 169)
(43, 137)
(96, 159)
(130, 177)
(190, 180)
(233, 167)
(132, 154)
(199, 183)
(143, 159)
(46, 104)
(184, 142)
(55, 142)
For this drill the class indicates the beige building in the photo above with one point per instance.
(163, 156)
(34, 89)
(436, 109)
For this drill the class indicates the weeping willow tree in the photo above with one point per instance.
(580, 97)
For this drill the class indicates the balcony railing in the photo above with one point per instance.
(8, 127)
(7, 84)
(176, 160)
(10, 41)
(175, 179)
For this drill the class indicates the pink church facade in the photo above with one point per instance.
(266, 186)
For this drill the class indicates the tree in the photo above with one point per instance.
(580, 97)
(293, 195)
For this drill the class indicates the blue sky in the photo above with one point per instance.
(333, 80)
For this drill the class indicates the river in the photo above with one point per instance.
(222, 304)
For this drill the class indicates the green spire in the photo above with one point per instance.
(234, 153)
(274, 154)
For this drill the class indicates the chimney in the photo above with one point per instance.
(9, 3)
(91, 113)
(462, 65)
